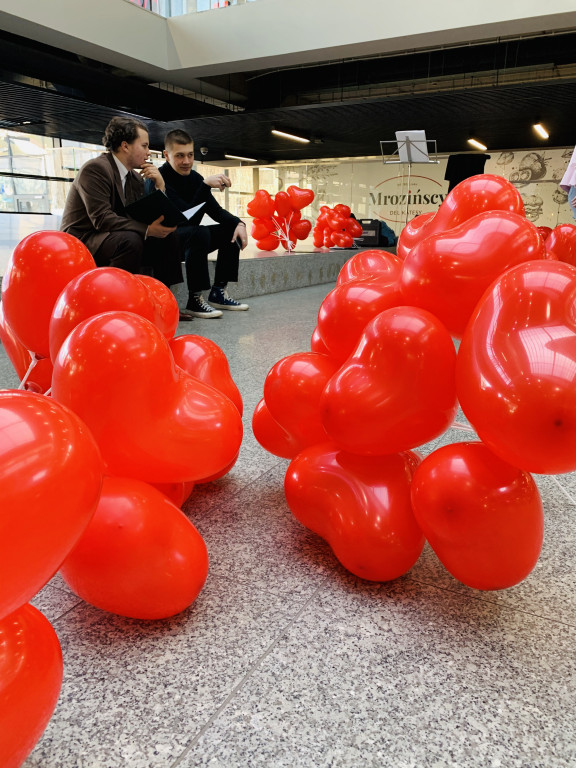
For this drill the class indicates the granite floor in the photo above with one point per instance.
(287, 661)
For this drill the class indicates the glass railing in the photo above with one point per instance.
(170, 8)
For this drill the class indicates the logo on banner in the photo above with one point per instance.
(394, 203)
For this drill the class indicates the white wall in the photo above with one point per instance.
(269, 32)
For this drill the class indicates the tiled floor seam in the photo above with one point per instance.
(238, 687)
(491, 602)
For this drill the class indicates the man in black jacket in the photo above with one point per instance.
(186, 189)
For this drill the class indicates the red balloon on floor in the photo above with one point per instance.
(360, 505)
(30, 680)
(482, 516)
(50, 479)
(140, 556)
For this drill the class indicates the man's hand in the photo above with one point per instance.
(218, 181)
(149, 171)
(156, 229)
(241, 232)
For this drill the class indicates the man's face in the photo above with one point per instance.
(138, 151)
(181, 158)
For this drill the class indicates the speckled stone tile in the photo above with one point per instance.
(54, 602)
(134, 692)
(402, 675)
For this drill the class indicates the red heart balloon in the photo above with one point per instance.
(166, 309)
(204, 359)
(261, 228)
(261, 206)
(342, 239)
(472, 196)
(343, 210)
(282, 204)
(370, 263)
(36, 372)
(177, 493)
(397, 390)
(562, 243)
(50, 478)
(353, 227)
(269, 243)
(292, 392)
(271, 436)
(300, 197)
(335, 221)
(152, 420)
(94, 292)
(347, 309)
(30, 680)
(482, 516)
(317, 237)
(301, 229)
(140, 556)
(516, 373)
(360, 505)
(411, 234)
(40, 267)
(447, 273)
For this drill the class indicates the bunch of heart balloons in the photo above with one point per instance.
(98, 450)
(383, 377)
(336, 226)
(278, 220)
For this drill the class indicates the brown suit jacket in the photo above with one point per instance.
(95, 205)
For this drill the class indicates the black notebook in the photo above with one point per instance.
(148, 208)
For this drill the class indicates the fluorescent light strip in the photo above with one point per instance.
(539, 128)
(290, 136)
(237, 157)
(477, 144)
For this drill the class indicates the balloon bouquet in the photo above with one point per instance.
(382, 378)
(278, 220)
(115, 422)
(336, 227)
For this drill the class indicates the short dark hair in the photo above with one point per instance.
(177, 137)
(121, 129)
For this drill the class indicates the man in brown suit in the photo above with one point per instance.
(95, 207)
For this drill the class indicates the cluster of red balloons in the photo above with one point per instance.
(336, 226)
(382, 377)
(96, 457)
(278, 220)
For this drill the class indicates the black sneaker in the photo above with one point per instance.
(198, 307)
(219, 298)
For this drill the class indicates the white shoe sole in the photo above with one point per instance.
(206, 315)
(241, 308)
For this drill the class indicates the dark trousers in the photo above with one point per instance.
(154, 256)
(197, 242)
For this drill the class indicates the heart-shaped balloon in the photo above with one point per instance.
(100, 290)
(166, 309)
(261, 206)
(30, 680)
(397, 390)
(261, 228)
(562, 243)
(204, 359)
(447, 273)
(292, 392)
(271, 436)
(470, 197)
(353, 227)
(301, 229)
(269, 243)
(35, 372)
(411, 234)
(360, 505)
(140, 556)
(343, 210)
(335, 221)
(152, 420)
(516, 373)
(342, 240)
(283, 204)
(40, 267)
(299, 197)
(482, 516)
(347, 309)
(318, 237)
(178, 493)
(366, 264)
(50, 479)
